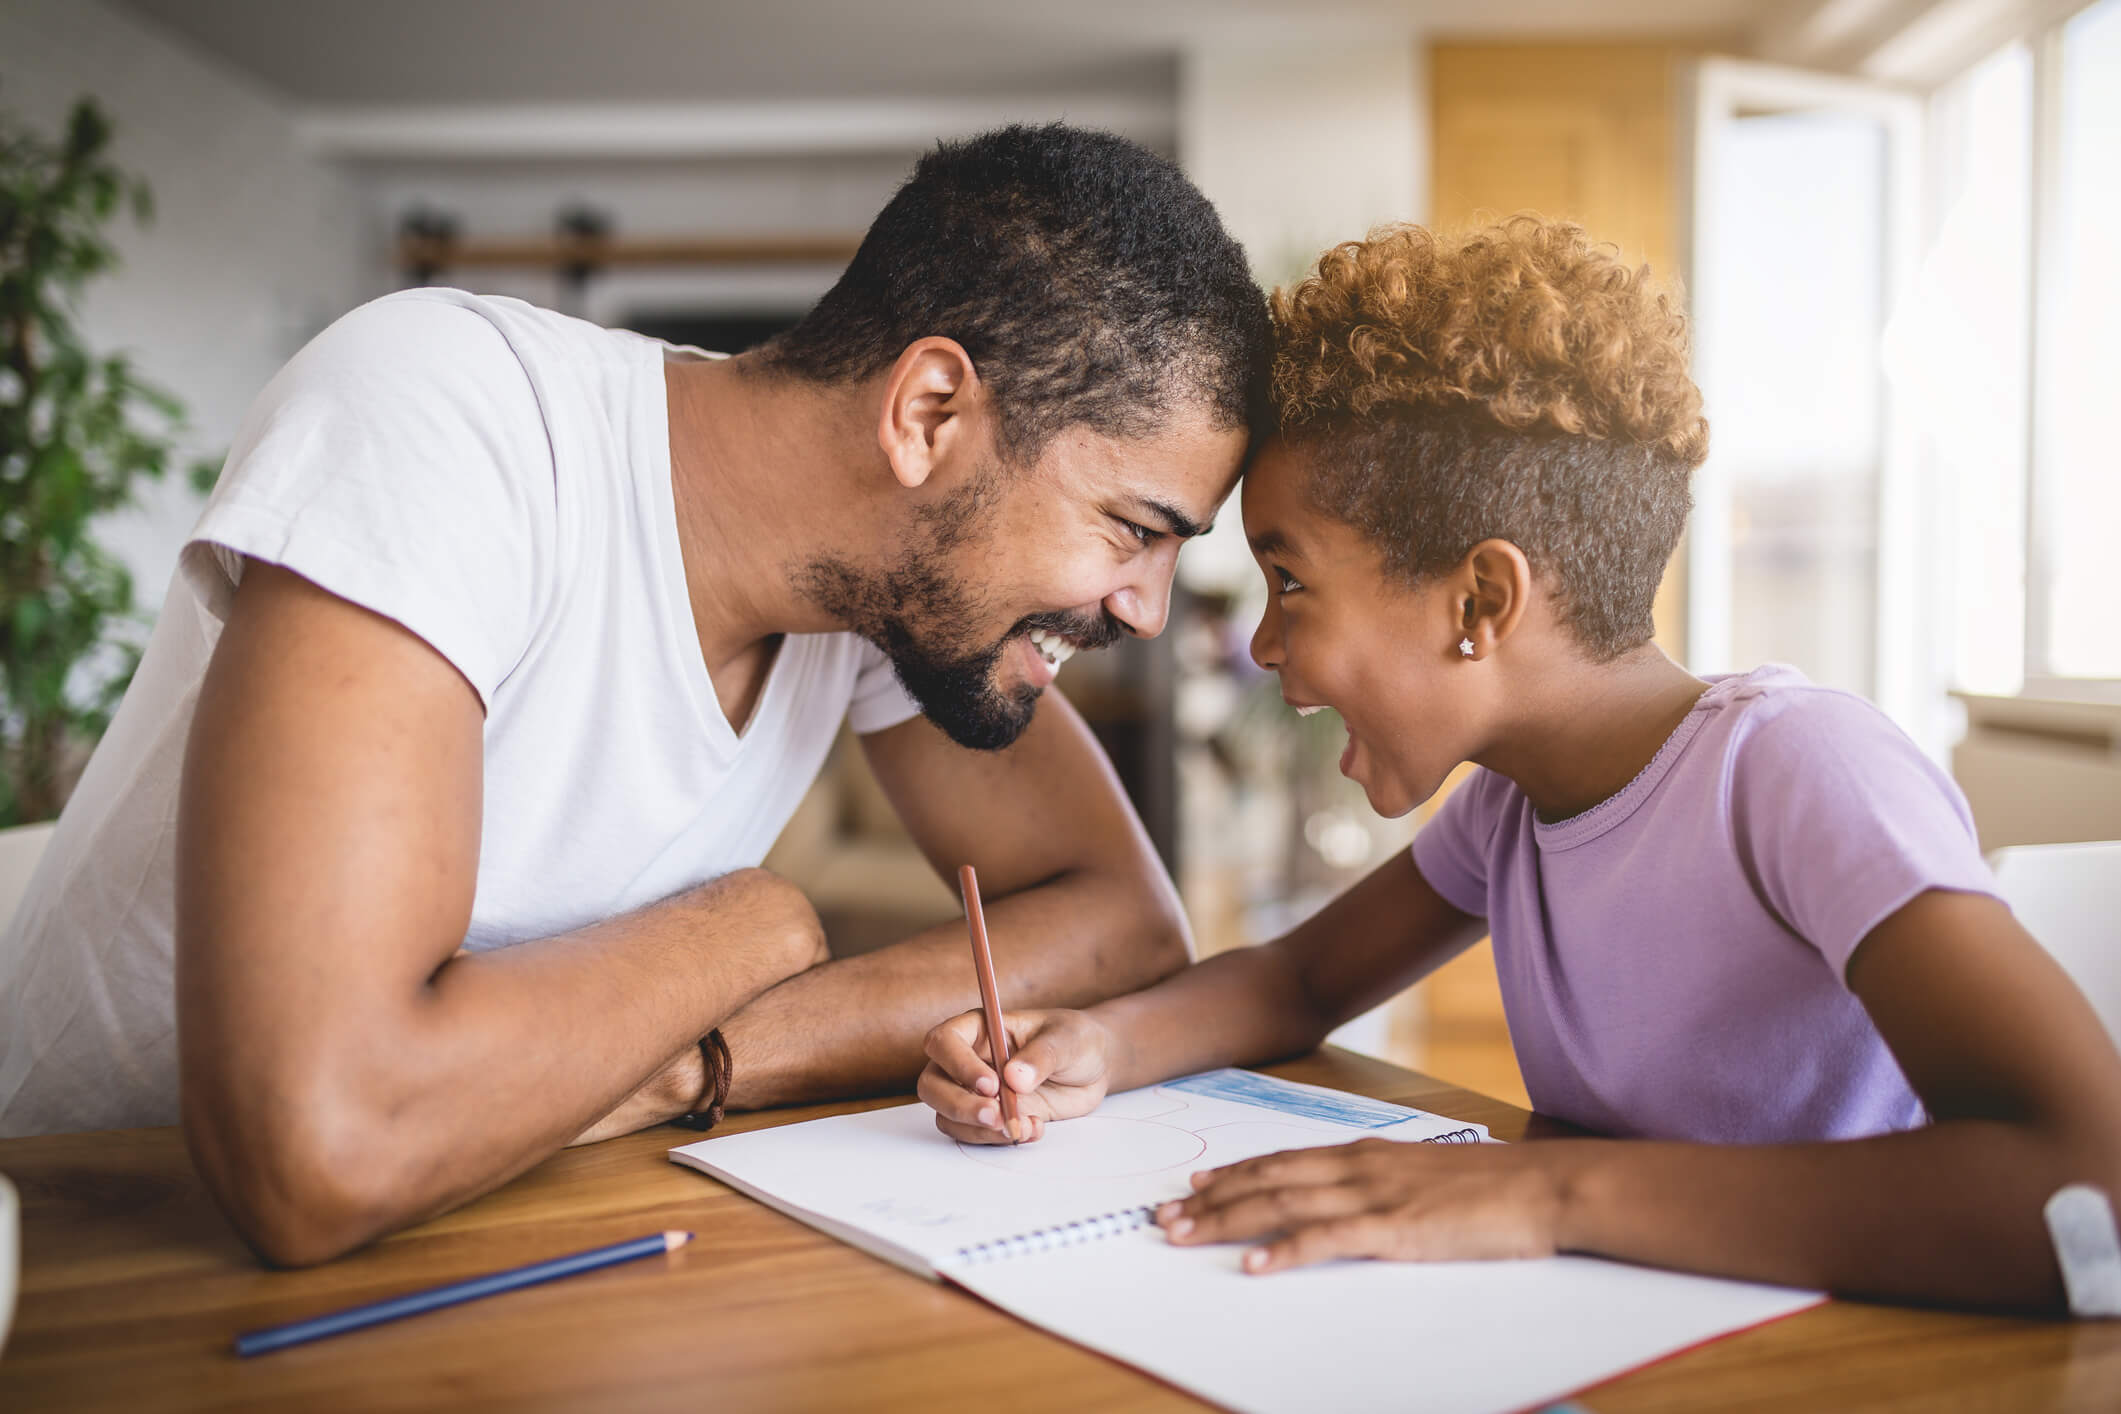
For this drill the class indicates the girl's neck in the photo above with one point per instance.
(1592, 729)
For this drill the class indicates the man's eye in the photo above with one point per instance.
(1140, 532)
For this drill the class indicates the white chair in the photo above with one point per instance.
(2069, 897)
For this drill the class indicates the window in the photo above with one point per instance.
(2010, 350)
(2077, 463)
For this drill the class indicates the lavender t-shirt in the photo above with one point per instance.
(1672, 959)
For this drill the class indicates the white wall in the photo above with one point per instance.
(1299, 147)
(254, 248)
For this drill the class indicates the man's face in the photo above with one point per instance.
(1000, 577)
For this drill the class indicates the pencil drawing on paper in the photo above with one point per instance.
(1137, 1135)
(1095, 1146)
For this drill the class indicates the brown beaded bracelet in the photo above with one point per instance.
(714, 1054)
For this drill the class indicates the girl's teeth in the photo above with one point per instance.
(1307, 711)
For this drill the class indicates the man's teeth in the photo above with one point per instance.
(1307, 711)
(1053, 647)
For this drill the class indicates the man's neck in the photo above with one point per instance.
(759, 476)
(1590, 730)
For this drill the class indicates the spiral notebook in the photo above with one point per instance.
(1058, 1233)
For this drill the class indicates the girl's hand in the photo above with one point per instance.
(1377, 1198)
(1059, 1064)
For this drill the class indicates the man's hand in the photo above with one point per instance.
(794, 943)
(1059, 1066)
(1377, 1198)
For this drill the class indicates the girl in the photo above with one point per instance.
(1742, 924)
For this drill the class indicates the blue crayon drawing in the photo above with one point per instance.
(1246, 1088)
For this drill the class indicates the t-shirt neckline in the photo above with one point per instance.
(1615, 809)
(706, 703)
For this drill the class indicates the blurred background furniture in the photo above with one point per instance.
(2069, 897)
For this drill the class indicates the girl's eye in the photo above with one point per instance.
(1285, 581)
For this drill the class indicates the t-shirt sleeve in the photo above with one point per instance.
(1840, 820)
(1452, 849)
(401, 462)
(880, 700)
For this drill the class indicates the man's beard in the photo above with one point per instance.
(917, 613)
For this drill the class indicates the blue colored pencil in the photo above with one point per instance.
(412, 1303)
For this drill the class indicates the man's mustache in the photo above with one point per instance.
(1089, 632)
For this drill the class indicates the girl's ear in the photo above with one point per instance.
(931, 398)
(1490, 588)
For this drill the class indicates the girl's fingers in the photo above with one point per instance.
(950, 1046)
(985, 1127)
(1258, 1214)
(1331, 1241)
(970, 1133)
(1046, 1054)
(941, 1092)
(1294, 1169)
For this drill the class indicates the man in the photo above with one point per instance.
(422, 843)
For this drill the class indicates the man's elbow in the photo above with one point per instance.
(301, 1184)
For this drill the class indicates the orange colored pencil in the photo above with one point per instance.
(983, 964)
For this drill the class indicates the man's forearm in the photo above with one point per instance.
(855, 1026)
(317, 1143)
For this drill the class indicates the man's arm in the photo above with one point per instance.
(1077, 904)
(343, 1071)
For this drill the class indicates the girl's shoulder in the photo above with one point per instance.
(1775, 719)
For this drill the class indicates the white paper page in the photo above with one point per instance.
(891, 1175)
(1443, 1338)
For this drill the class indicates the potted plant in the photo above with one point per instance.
(77, 431)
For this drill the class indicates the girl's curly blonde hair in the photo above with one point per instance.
(1518, 382)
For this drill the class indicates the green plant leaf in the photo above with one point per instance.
(77, 433)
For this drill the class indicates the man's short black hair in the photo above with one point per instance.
(1089, 280)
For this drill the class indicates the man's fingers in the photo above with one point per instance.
(950, 1045)
(1331, 1241)
(1258, 1214)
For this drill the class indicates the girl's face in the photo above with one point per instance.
(1342, 634)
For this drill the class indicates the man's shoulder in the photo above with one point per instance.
(435, 327)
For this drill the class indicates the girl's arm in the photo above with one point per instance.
(1282, 998)
(2022, 1083)
(2023, 1086)
(1250, 1004)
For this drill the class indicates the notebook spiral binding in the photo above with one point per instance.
(1061, 1235)
(1106, 1225)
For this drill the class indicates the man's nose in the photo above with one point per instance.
(1143, 605)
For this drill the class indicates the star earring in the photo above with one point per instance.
(1465, 647)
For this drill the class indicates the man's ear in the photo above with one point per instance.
(1490, 590)
(932, 399)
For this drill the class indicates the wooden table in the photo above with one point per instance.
(133, 1285)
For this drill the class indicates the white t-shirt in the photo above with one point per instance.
(496, 478)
